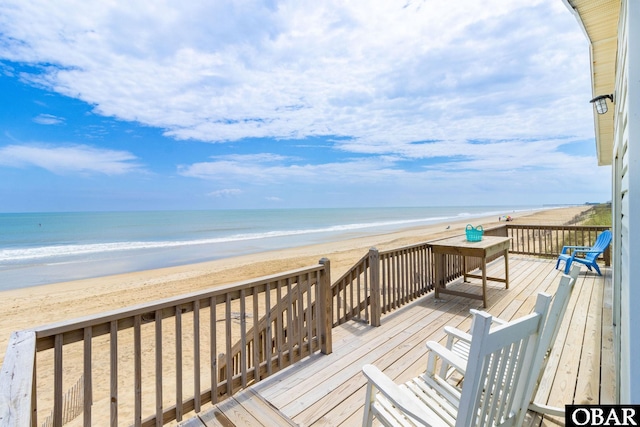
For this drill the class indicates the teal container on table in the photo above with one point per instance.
(474, 234)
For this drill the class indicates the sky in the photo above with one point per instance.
(234, 104)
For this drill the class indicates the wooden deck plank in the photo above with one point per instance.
(588, 381)
(521, 301)
(394, 364)
(546, 383)
(520, 296)
(267, 413)
(368, 348)
(399, 371)
(506, 308)
(608, 375)
(411, 347)
(358, 341)
(214, 418)
(280, 395)
(563, 388)
(230, 413)
(192, 422)
(246, 408)
(329, 389)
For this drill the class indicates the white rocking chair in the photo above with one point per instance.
(459, 342)
(497, 387)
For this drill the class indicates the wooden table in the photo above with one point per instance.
(487, 247)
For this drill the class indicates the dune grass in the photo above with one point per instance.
(598, 215)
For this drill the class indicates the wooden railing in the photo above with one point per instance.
(548, 240)
(381, 282)
(405, 274)
(351, 293)
(296, 307)
(236, 334)
(128, 358)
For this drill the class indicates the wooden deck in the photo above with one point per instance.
(329, 390)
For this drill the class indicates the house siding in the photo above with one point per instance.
(626, 202)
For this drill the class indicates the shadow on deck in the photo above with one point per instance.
(330, 389)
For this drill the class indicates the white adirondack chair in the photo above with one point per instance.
(497, 386)
(459, 342)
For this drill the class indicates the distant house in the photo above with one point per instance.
(613, 30)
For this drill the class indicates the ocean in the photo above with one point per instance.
(44, 248)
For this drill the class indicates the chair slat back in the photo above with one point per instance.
(602, 241)
(558, 308)
(551, 327)
(497, 384)
(599, 246)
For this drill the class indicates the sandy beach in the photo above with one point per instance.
(34, 306)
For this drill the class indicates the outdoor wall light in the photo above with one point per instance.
(600, 103)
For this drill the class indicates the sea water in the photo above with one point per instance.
(43, 248)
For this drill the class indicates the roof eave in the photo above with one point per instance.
(599, 22)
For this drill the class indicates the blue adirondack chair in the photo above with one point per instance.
(589, 253)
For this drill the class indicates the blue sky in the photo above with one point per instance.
(280, 104)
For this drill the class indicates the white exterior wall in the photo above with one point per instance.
(626, 202)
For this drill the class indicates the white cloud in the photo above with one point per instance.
(523, 172)
(439, 101)
(377, 71)
(254, 158)
(462, 162)
(66, 160)
(227, 192)
(48, 119)
(263, 169)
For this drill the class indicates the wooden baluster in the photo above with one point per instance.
(179, 412)
(268, 339)
(159, 405)
(137, 371)
(196, 356)
(326, 298)
(243, 337)
(279, 325)
(374, 284)
(257, 345)
(87, 383)
(309, 316)
(114, 372)
(300, 322)
(57, 381)
(229, 358)
(290, 329)
(213, 349)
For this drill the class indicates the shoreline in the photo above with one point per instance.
(105, 244)
(43, 304)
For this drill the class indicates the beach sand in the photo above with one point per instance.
(30, 307)
(34, 306)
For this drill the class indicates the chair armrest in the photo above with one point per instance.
(586, 251)
(401, 399)
(456, 333)
(447, 356)
(497, 320)
(564, 248)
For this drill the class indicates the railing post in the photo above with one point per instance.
(502, 231)
(17, 379)
(374, 283)
(325, 305)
